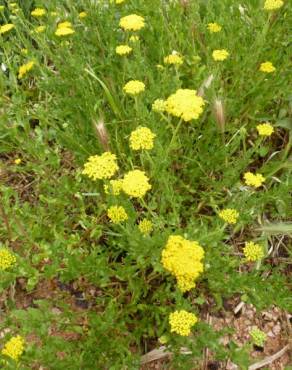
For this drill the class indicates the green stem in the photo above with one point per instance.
(174, 137)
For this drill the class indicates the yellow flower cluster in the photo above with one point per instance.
(183, 259)
(265, 129)
(40, 29)
(267, 67)
(175, 59)
(229, 215)
(101, 166)
(38, 12)
(25, 68)
(253, 252)
(214, 27)
(134, 87)
(14, 348)
(254, 180)
(132, 22)
(134, 38)
(181, 322)
(220, 55)
(145, 226)
(115, 187)
(7, 259)
(273, 4)
(142, 138)
(136, 184)
(185, 103)
(119, 1)
(6, 27)
(117, 214)
(82, 15)
(158, 105)
(64, 29)
(123, 49)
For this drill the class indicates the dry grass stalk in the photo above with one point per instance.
(102, 134)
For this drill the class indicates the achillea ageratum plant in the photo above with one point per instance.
(136, 184)
(82, 15)
(145, 226)
(229, 215)
(181, 322)
(100, 167)
(214, 27)
(64, 29)
(25, 68)
(38, 12)
(123, 50)
(14, 348)
(175, 59)
(185, 104)
(114, 187)
(220, 55)
(117, 214)
(267, 67)
(6, 28)
(158, 105)
(253, 252)
(134, 87)
(132, 22)
(265, 129)
(7, 259)
(183, 259)
(273, 4)
(255, 180)
(142, 138)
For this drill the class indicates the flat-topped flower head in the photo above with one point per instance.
(134, 87)
(65, 24)
(14, 348)
(273, 4)
(229, 215)
(253, 252)
(117, 214)
(123, 49)
(267, 67)
(142, 138)
(145, 226)
(183, 259)
(220, 55)
(64, 31)
(181, 322)
(6, 28)
(82, 15)
(38, 12)
(158, 105)
(214, 27)
(255, 180)
(265, 129)
(174, 59)
(40, 29)
(132, 22)
(100, 167)
(136, 184)
(25, 68)
(115, 187)
(185, 104)
(7, 259)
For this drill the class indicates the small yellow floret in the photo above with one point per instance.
(134, 87)
(186, 104)
(220, 55)
(14, 348)
(136, 184)
(265, 129)
(145, 226)
(132, 22)
(158, 105)
(123, 49)
(120, 1)
(64, 31)
(117, 214)
(38, 12)
(40, 29)
(142, 138)
(101, 166)
(273, 4)
(82, 15)
(115, 187)
(267, 67)
(134, 38)
(17, 160)
(6, 27)
(25, 68)
(181, 322)
(255, 180)
(214, 27)
(253, 252)
(229, 215)
(175, 59)
(7, 259)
